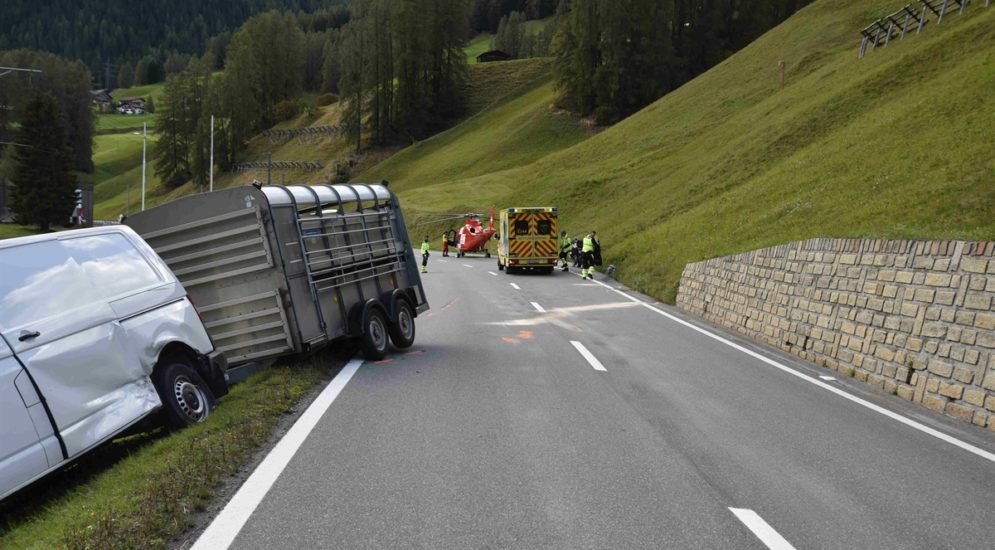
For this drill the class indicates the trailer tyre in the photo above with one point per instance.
(186, 399)
(374, 339)
(402, 330)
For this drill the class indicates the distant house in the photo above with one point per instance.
(101, 98)
(493, 55)
(131, 106)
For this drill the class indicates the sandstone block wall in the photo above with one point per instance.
(914, 318)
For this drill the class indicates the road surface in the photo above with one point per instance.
(553, 412)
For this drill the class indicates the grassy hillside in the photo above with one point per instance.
(894, 145)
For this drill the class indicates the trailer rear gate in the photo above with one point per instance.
(277, 270)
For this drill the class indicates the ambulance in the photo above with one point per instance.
(529, 239)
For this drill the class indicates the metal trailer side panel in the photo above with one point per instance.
(220, 249)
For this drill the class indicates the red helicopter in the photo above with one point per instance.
(473, 236)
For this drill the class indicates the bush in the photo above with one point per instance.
(326, 99)
(287, 109)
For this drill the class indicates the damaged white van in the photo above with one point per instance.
(96, 334)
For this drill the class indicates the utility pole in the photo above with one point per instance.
(210, 166)
(145, 139)
(269, 169)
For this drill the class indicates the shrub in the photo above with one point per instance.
(326, 99)
(287, 109)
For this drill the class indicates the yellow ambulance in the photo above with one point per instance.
(529, 239)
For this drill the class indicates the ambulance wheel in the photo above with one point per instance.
(500, 266)
(487, 254)
(185, 397)
(402, 330)
(374, 339)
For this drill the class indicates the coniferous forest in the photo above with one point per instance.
(107, 35)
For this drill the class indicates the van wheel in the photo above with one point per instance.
(186, 399)
(374, 339)
(402, 330)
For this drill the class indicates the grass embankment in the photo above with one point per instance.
(894, 145)
(10, 230)
(139, 492)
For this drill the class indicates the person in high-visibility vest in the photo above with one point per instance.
(590, 244)
(445, 245)
(565, 243)
(424, 255)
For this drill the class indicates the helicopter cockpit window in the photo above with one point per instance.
(522, 227)
(545, 227)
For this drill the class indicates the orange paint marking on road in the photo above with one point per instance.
(509, 340)
(526, 334)
(416, 352)
(450, 304)
(383, 361)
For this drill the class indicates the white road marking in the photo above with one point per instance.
(467, 265)
(894, 416)
(538, 307)
(226, 526)
(762, 529)
(827, 378)
(444, 261)
(589, 356)
(492, 273)
(514, 286)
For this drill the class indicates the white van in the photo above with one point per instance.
(96, 334)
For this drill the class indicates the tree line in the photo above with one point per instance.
(614, 57)
(108, 35)
(398, 66)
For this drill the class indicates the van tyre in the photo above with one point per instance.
(374, 339)
(186, 398)
(402, 329)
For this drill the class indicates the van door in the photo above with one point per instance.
(22, 457)
(54, 312)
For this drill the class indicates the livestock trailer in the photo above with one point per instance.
(277, 270)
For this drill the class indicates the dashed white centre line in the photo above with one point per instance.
(226, 526)
(762, 529)
(467, 265)
(589, 356)
(516, 287)
(492, 273)
(538, 307)
(444, 261)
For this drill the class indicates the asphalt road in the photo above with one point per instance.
(495, 431)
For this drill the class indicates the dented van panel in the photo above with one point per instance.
(84, 317)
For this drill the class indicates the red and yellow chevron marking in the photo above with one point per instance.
(520, 248)
(546, 248)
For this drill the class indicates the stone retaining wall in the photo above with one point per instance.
(914, 318)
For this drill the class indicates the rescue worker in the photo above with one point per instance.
(565, 243)
(576, 253)
(590, 245)
(424, 255)
(445, 245)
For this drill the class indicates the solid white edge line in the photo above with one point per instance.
(227, 525)
(514, 286)
(492, 273)
(538, 307)
(894, 416)
(827, 378)
(762, 529)
(589, 356)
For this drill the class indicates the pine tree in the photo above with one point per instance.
(125, 76)
(43, 181)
